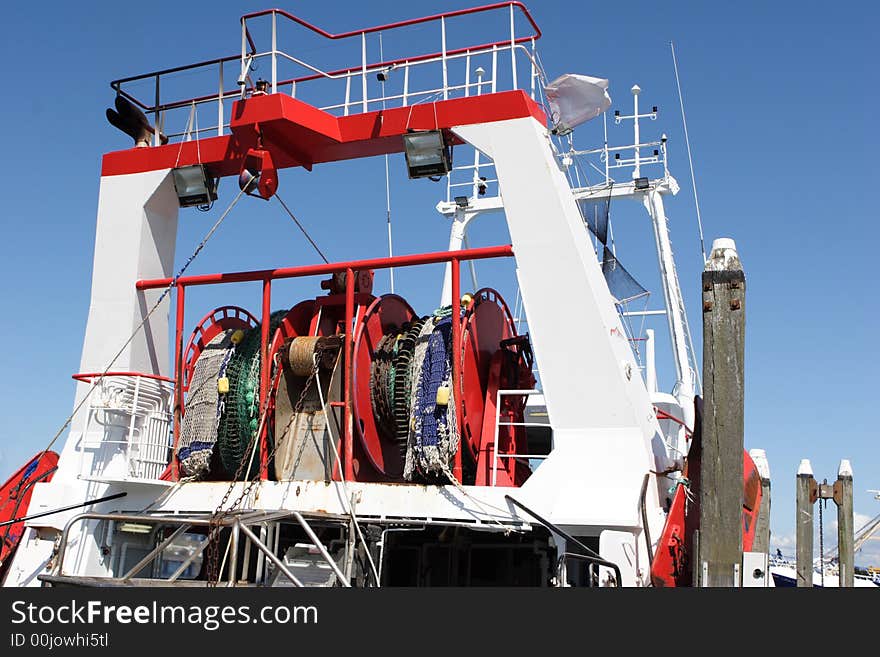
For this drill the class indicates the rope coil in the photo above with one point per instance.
(301, 354)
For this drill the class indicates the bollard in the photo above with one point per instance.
(806, 496)
(721, 484)
(843, 497)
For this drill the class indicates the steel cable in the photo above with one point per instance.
(164, 294)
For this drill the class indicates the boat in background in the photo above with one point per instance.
(826, 569)
(784, 573)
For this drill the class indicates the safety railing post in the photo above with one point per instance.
(494, 68)
(533, 70)
(364, 69)
(274, 52)
(513, 47)
(242, 79)
(233, 553)
(259, 576)
(405, 82)
(443, 57)
(156, 114)
(220, 103)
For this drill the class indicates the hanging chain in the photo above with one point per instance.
(220, 514)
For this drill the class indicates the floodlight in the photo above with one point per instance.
(193, 185)
(427, 154)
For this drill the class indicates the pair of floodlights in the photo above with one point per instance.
(428, 155)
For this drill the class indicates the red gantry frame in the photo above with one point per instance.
(300, 134)
(296, 133)
(266, 276)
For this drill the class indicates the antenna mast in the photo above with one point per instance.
(687, 142)
(387, 178)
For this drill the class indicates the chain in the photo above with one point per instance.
(220, 514)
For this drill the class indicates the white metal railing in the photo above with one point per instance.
(513, 50)
(127, 434)
(658, 156)
(362, 73)
(499, 423)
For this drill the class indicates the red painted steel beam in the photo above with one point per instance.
(348, 431)
(481, 253)
(178, 376)
(456, 364)
(298, 134)
(264, 377)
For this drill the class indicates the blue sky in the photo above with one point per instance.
(779, 99)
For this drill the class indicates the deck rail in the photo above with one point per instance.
(127, 434)
(510, 58)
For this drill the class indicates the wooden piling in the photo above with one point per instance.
(843, 497)
(762, 524)
(806, 496)
(721, 485)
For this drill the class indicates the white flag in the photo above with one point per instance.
(575, 99)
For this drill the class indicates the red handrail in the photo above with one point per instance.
(86, 377)
(663, 415)
(405, 23)
(330, 268)
(391, 26)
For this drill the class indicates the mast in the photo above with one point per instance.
(675, 314)
(651, 193)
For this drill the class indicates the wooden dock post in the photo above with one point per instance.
(806, 497)
(843, 497)
(762, 524)
(721, 482)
